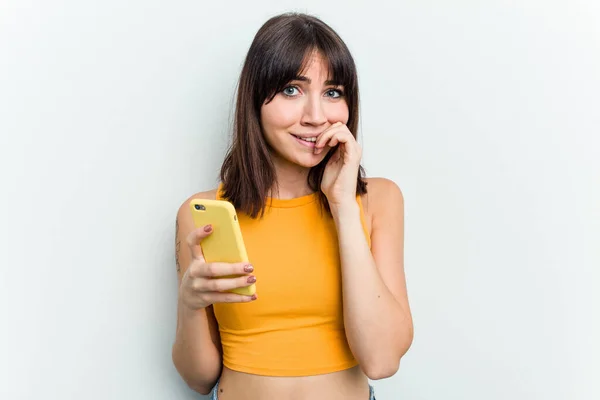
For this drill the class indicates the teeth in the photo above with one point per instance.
(311, 139)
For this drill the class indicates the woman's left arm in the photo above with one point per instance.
(377, 315)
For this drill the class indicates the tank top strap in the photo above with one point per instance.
(219, 195)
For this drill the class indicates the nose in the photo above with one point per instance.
(314, 114)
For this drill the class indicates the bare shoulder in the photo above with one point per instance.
(209, 194)
(183, 213)
(382, 194)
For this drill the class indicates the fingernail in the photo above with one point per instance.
(248, 268)
(208, 228)
(251, 279)
(254, 297)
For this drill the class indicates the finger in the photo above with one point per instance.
(216, 270)
(194, 238)
(232, 298)
(337, 137)
(331, 127)
(225, 284)
(326, 134)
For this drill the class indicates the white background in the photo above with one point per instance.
(487, 114)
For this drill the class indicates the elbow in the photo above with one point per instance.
(388, 363)
(382, 369)
(204, 388)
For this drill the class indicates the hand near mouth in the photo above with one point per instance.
(341, 173)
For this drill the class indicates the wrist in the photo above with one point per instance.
(344, 209)
(187, 310)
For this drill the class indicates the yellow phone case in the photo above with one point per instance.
(226, 243)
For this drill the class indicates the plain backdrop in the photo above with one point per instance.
(487, 114)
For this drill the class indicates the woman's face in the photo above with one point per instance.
(297, 115)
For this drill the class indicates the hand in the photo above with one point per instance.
(203, 283)
(341, 173)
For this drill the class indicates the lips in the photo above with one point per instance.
(308, 141)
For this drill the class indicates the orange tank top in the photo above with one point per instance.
(296, 326)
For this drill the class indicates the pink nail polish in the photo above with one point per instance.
(248, 268)
(251, 279)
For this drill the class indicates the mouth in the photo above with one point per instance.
(308, 141)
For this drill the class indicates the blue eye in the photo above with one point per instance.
(334, 93)
(289, 91)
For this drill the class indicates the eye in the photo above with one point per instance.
(290, 91)
(334, 93)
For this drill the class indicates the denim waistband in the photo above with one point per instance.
(215, 391)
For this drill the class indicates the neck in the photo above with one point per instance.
(291, 180)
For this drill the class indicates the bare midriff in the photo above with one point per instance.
(349, 384)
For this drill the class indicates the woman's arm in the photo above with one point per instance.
(197, 348)
(377, 316)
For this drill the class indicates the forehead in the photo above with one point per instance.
(316, 65)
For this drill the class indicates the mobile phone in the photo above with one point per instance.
(226, 243)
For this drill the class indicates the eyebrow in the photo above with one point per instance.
(306, 79)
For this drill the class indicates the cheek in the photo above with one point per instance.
(280, 114)
(338, 112)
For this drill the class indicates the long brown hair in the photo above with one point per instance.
(277, 55)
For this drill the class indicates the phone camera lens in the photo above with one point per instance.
(199, 207)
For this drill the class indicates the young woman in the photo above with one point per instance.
(325, 243)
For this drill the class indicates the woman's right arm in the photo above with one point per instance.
(197, 347)
(197, 353)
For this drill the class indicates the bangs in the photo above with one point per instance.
(289, 57)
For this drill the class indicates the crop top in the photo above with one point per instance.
(296, 326)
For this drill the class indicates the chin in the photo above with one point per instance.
(308, 160)
(304, 158)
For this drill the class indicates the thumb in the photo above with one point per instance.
(195, 238)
